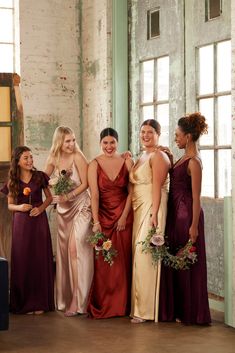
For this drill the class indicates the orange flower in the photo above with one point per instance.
(26, 191)
(107, 245)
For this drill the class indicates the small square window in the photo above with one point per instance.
(213, 9)
(153, 23)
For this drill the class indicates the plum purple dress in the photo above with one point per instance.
(32, 275)
(183, 293)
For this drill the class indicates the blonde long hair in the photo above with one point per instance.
(58, 140)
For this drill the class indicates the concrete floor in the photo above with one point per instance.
(54, 333)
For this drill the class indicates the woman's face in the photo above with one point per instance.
(68, 144)
(109, 145)
(26, 160)
(148, 136)
(181, 138)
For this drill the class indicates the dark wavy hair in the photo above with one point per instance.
(108, 131)
(194, 124)
(154, 124)
(14, 172)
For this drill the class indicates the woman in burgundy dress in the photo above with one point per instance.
(183, 293)
(108, 177)
(32, 282)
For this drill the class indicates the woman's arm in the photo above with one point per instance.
(12, 206)
(92, 181)
(50, 166)
(160, 167)
(121, 224)
(38, 210)
(195, 170)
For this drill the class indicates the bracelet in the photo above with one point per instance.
(74, 194)
(96, 223)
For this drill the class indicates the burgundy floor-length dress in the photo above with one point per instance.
(183, 293)
(32, 278)
(111, 288)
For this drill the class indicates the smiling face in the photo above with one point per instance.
(26, 161)
(109, 145)
(68, 145)
(148, 136)
(181, 138)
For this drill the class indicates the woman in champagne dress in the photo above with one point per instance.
(183, 295)
(149, 200)
(108, 177)
(74, 259)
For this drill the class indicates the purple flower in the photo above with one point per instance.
(63, 172)
(157, 240)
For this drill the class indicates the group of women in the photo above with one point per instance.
(127, 200)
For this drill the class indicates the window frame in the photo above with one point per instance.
(13, 39)
(215, 147)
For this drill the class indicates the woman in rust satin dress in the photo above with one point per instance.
(108, 177)
(74, 258)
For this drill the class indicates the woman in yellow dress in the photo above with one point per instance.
(149, 177)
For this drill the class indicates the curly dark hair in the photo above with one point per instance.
(14, 172)
(194, 124)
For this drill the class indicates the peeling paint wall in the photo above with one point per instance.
(49, 59)
(97, 72)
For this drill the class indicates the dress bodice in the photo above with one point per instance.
(180, 180)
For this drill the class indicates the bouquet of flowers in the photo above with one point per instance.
(63, 183)
(104, 246)
(184, 258)
(155, 245)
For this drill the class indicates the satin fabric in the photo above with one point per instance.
(110, 293)
(146, 276)
(183, 293)
(32, 275)
(74, 217)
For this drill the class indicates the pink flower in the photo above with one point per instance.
(157, 240)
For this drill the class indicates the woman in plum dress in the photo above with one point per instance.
(74, 258)
(108, 177)
(183, 295)
(32, 277)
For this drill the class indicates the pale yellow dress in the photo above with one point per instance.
(74, 217)
(146, 276)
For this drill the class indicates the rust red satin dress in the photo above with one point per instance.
(111, 288)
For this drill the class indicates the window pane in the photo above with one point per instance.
(206, 107)
(148, 112)
(224, 173)
(5, 144)
(5, 110)
(6, 58)
(163, 78)
(206, 69)
(153, 23)
(213, 8)
(224, 120)
(224, 66)
(148, 74)
(6, 26)
(163, 119)
(207, 173)
(6, 3)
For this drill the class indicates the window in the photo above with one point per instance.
(154, 100)
(214, 102)
(213, 9)
(7, 33)
(153, 23)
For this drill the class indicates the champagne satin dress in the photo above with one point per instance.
(146, 276)
(74, 217)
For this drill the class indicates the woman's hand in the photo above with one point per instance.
(36, 211)
(153, 221)
(121, 224)
(60, 198)
(96, 228)
(193, 234)
(25, 207)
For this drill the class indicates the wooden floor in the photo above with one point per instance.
(54, 333)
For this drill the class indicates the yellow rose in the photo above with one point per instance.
(107, 245)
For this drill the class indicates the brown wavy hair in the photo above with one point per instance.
(14, 172)
(154, 124)
(194, 124)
